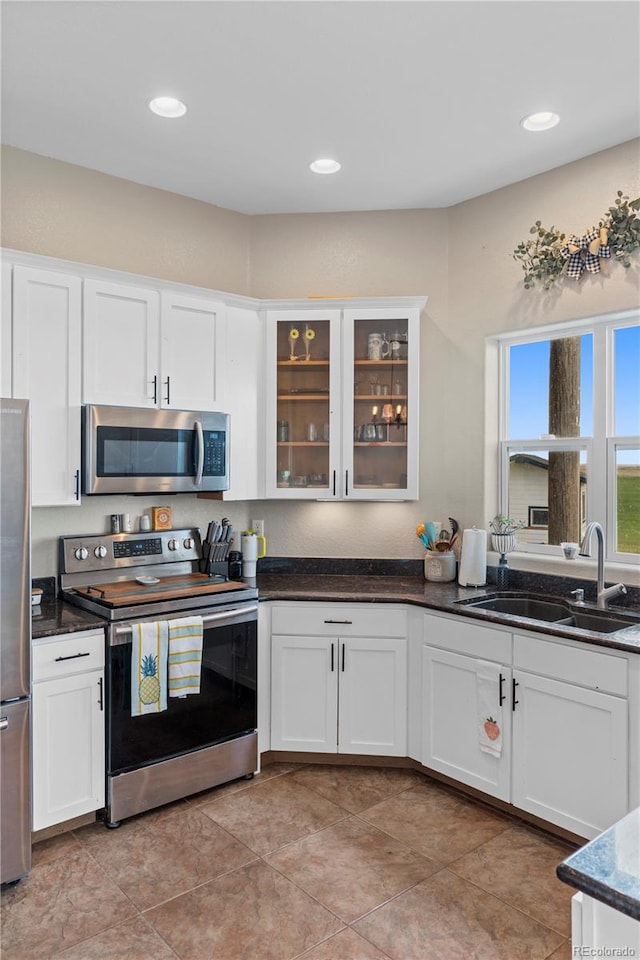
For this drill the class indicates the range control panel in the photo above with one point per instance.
(118, 550)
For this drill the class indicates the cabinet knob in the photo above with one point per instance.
(81, 553)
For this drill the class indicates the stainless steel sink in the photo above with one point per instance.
(588, 621)
(542, 610)
(530, 607)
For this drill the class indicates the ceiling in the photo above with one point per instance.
(420, 101)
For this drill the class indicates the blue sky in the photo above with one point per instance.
(529, 386)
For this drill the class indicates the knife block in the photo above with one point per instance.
(217, 568)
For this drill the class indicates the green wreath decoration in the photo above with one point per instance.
(553, 255)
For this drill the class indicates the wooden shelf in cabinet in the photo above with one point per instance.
(380, 398)
(302, 364)
(380, 444)
(297, 397)
(387, 362)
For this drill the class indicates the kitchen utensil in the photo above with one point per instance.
(431, 531)
(455, 526)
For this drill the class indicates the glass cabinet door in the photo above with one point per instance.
(303, 427)
(382, 453)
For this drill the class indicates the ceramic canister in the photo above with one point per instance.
(440, 566)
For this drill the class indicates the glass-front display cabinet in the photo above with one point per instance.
(342, 408)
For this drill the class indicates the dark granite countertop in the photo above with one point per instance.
(56, 617)
(608, 868)
(443, 597)
(364, 582)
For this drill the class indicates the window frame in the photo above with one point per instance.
(601, 448)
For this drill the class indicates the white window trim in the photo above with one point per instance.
(600, 448)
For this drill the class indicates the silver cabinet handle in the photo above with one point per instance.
(4, 723)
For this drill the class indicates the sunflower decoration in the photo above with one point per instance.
(294, 333)
(309, 335)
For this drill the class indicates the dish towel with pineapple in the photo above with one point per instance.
(185, 656)
(149, 650)
(489, 710)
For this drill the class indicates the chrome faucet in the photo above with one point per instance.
(603, 595)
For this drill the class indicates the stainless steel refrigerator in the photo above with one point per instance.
(15, 641)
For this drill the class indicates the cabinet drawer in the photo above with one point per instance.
(336, 620)
(64, 656)
(461, 636)
(580, 665)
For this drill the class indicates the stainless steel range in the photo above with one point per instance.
(200, 739)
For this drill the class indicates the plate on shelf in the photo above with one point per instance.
(147, 581)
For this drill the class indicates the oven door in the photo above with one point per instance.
(224, 709)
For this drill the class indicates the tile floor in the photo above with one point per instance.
(310, 862)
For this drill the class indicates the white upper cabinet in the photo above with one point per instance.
(191, 345)
(46, 370)
(146, 349)
(121, 350)
(342, 401)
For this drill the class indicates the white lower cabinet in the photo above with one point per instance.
(570, 736)
(565, 722)
(450, 723)
(597, 930)
(339, 688)
(68, 727)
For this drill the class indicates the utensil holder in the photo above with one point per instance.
(440, 566)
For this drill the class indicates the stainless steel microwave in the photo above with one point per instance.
(130, 450)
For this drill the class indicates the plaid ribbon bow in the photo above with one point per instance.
(583, 253)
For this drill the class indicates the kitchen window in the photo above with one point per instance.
(570, 433)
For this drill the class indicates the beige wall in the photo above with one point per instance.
(461, 258)
(60, 210)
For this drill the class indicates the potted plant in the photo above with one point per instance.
(503, 533)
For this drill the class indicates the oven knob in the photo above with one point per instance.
(100, 552)
(173, 544)
(188, 543)
(81, 553)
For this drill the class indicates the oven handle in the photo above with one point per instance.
(200, 461)
(207, 620)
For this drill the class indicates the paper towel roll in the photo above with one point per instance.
(473, 558)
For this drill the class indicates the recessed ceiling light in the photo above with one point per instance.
(324, 166)
(167, 107)
(540, 121)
